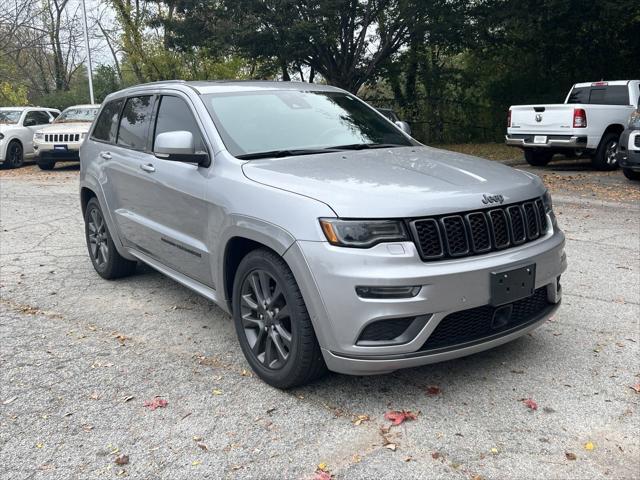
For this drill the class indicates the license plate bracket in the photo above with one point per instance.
(60, 147)
(540, 139)
(511, 285)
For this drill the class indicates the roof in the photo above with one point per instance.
(225, 86)
(603, 82)
(87, 105)
(29, 108)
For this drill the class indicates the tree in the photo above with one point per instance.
(346, 41)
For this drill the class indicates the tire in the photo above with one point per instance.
(538, 158)
(108, 263)
(15, 155)
(605, 157)
(46, 164)
(630, 174)
(267, 353)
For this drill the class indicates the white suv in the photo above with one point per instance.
(17, 126)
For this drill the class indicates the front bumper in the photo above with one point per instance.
(328, 275)
(629, 150)
(552, 141)
(46, 150)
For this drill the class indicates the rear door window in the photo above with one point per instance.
(107, 124)
(134, 122)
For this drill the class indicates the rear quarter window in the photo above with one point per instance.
(107, 123)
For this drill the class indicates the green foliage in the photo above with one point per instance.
(105, 81)
(12, 95)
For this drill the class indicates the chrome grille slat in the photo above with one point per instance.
(477, 232)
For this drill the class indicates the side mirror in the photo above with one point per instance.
(404, 126)
(179, 146)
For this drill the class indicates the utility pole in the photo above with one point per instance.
(86, 43)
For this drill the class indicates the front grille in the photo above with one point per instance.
(476, 323)
(62, 137)
(385, 329)
(474, 233)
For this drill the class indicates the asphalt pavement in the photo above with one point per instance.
(80, 357)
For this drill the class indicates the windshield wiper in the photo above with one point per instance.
(285, 153)
(365, 146)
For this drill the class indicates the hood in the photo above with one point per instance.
(73, 127)
(396, 182)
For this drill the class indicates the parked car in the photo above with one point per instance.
(393, 117)
(17, 125)
(629, 147)
(332, 237)
(62, 139)
(589, 122)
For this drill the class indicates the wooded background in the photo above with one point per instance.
(449, 67)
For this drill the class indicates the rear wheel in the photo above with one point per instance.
(538, 158)
(15, 155)
(105, 258)
(630, 174)
(605, 157)
(273, 326)
(46, 163)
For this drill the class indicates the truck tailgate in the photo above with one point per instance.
(549, 119)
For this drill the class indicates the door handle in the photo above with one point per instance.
(106, 155)
(148, 167)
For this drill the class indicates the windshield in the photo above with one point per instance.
(77, 115)
(291, 120)
(9, 116)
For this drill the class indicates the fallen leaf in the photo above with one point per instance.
(408, 459)
(122, 459)
(435, 455)
(360, 419)
(9, 400)
(94, 396)
(391, 446)
(197, 438)
(323, 467)
(570, 455)
(215, 391)
(529, 403)
(245, 373)
(39, 445)
(127, 399)
(322, 476)
(589, 446)
(195, 463)
(494, 451)
(157, 402)
(433, 390)
(397, 417)
(636, 388)
(203, 446)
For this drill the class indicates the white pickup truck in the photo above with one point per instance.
(589, 122)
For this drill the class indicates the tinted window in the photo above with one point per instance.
(134, 123)
(600, 95)
(54, 114)
(174, 114)
(36, 118)
(579, 95)
(107, 124)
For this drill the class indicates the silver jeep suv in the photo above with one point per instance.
(333, 238)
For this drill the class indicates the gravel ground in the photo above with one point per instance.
(80, 356)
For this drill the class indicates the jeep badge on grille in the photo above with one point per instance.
(486, 199)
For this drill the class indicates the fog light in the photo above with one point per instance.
(388, 292)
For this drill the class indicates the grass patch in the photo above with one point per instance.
(492, 151)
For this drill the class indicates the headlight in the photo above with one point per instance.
(634, 120)
(38, 136)
(362, 233)
(82, 135)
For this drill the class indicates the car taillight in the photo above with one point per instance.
(579, 118)
(509, 119)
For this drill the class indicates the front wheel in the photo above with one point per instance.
(538, 158)
(631, 174)
(46, 164)
(15, 155)
(273, 326)
(605, 157)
